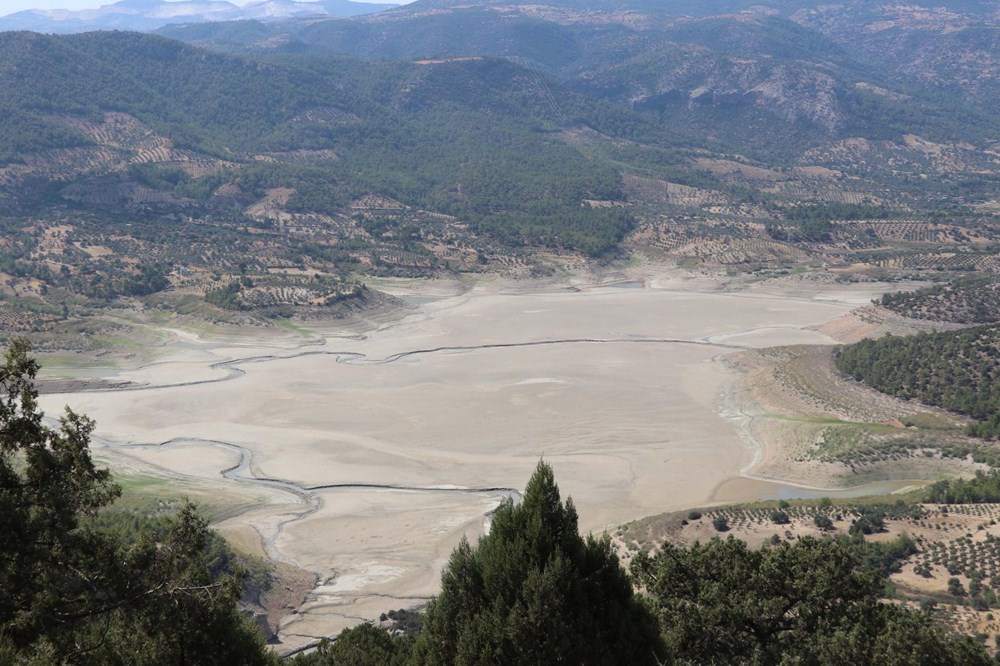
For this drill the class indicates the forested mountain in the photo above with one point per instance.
(400, 130)
(486, 136)
(775, 78)
(771, 77)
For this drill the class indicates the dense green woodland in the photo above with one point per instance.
(470, 139)
(982, 488)
(82, 584)
(956, 370)
(970, 300)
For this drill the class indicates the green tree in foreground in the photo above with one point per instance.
(983, 488)
(363, 645)
(535, 592)
(73, 593)
(811, 602)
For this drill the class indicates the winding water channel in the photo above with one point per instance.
(390, 448)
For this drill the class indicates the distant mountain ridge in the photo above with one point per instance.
(149, 15)
(709, 7)
(773, 78)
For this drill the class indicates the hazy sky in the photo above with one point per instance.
(11, 6)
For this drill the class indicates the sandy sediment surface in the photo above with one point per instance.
(385, 448)
(873, 321)
(797, 413)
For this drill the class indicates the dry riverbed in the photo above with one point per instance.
(366, 453)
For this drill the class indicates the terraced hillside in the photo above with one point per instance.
(510, 138)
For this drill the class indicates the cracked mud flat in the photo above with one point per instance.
(370, 456)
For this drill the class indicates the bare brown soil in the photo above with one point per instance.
(288, 592)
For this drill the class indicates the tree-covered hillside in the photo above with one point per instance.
(956, 370)
(969, 300)
(470, 138)
(488, 136)
(773, 83)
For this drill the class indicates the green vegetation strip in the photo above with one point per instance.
(956, 370)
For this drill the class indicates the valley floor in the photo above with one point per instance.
(363, 452)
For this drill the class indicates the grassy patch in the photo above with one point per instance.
(143, 484)
(928, 421)
(54, 364)
(148, 492)
(862, 443)
(290, 325)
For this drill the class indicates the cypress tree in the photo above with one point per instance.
(535, 592)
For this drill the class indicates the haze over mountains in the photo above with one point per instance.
(147, 15)
(771, 76)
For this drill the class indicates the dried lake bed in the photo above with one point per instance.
(365, 455)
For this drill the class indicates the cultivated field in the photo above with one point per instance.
(959, 543)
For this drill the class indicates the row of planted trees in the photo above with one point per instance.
(533, 591)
